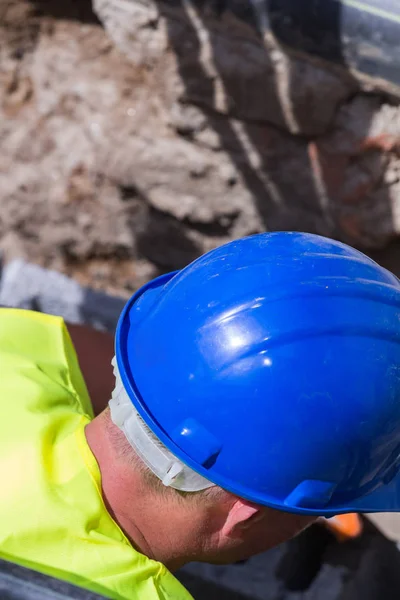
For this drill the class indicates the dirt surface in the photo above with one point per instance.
(129, 150)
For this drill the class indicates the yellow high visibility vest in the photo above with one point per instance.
(52, 515)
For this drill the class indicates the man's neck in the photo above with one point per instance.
(123, 495)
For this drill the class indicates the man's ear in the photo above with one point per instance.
(241, 516)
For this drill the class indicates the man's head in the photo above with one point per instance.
(175, 527)
(246, 365)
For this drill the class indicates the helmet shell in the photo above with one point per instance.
(271, 366)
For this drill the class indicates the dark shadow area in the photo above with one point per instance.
(389, 257)
(19, 583)
(199, 88)
(159, 237)
(71, 10)
(368, 39)
(304, 558)
(312, 193)
(164, 241)
(206, 590)
(312, 566)
(366, 568)
(99, 310)
(311, 26)
(371, 566)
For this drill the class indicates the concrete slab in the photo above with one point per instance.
(388, 524)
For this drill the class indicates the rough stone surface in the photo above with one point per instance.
(220, 63)
(129, 149)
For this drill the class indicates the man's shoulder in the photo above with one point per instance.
(39, 367)
(52, 514)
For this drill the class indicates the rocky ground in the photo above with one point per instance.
(136, 135)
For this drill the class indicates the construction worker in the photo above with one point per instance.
(257, 390)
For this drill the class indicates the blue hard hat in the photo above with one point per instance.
(271, 366)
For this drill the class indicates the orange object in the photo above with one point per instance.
(344, 527)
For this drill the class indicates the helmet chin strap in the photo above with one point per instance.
(167, 467)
